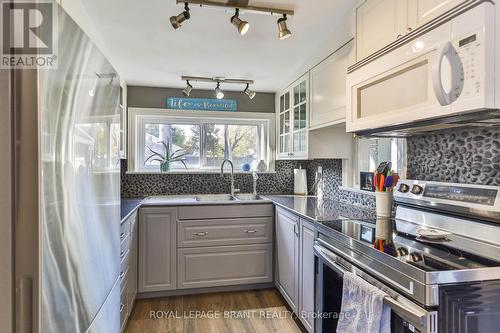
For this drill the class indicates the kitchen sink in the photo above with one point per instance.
(246, 196)
(215, 197)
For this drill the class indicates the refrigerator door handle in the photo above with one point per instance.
(24, 305)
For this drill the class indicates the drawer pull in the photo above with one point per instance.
(122, 306)
(201, 233)
(250, 231)
(122, 273)
(122, 235)
(122, 254)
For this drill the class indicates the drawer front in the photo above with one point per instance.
(224, 266)
(123, 306)
(225, 211)
(124, 246)
(124, 264)
(195, 233)
(124, 228)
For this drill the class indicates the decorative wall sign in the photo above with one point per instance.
(202, 104)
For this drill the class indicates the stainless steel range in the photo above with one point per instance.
(438, 260)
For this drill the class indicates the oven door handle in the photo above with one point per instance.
(420, 318)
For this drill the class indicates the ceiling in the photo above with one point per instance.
(139, 41)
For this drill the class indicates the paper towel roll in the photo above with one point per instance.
(300, 182)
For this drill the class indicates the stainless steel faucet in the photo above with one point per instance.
(255, 177)
(233, 190)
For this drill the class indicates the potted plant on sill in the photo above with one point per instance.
(168, 158)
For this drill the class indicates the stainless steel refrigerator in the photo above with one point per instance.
(65, 126)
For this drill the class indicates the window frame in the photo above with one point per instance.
(139, 116)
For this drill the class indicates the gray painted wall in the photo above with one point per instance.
(155, 97)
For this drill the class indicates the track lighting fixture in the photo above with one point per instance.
(251, 94)
(284, 33)
(218, 92)
(176, 21)
(241, 25)
(187, 91)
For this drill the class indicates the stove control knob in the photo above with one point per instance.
(416, 189)
(403, 188)
(402, 252)
(415, 257)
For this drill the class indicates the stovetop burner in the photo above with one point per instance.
(427, 255)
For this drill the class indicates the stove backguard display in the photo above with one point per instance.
(473, 195)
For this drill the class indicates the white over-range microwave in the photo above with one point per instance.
(444, 72)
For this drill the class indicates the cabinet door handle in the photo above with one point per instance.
(296, 229)
(122, 273)
(409, 30)
(122, 235)
(250, 231)
(200, 233)
(122, 254)
(122, 306)
(399, 36)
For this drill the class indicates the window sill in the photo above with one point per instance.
(195, 172)
(356, 190)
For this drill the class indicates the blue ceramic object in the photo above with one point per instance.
(245, 167)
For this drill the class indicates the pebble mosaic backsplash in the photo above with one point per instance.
(281, 182)
(464, 156)
(457, 156)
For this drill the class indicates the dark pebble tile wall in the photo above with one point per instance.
(281, 182)
(457, 156)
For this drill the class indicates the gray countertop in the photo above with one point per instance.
(308, 207)
(320, 210)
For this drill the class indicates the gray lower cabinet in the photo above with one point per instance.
(157, 249)
(190, 247)
(306, 278)
(287, 256)
(295, 264)
(224, 265)
(128, 266)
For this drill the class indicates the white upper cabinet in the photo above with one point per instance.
(423, 11)
(292, 122)
(328, 94)
(378, 23)
(381, 22)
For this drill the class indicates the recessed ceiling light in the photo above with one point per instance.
(241, 25)
(176, 21)
(187, 91)
(284, 33)
(218, 92)
(251, 94)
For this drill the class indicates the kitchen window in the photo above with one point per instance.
(207, 138)
(371, 152)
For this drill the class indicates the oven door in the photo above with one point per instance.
(406, 316)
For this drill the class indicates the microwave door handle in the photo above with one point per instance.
(444, 51)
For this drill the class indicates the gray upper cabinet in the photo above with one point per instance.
(381, 22)
(328, 90)
(157, 249)
(287, 256)
(306, 279)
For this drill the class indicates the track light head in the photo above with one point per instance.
(177, 21)
(241, 25)
(284, 33)
(218, 92)
(251, 94)
(187, 91)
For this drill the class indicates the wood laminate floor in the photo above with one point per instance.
(231, 312)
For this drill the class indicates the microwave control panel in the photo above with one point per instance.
(470, 65)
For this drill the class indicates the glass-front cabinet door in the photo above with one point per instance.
(293, 120)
